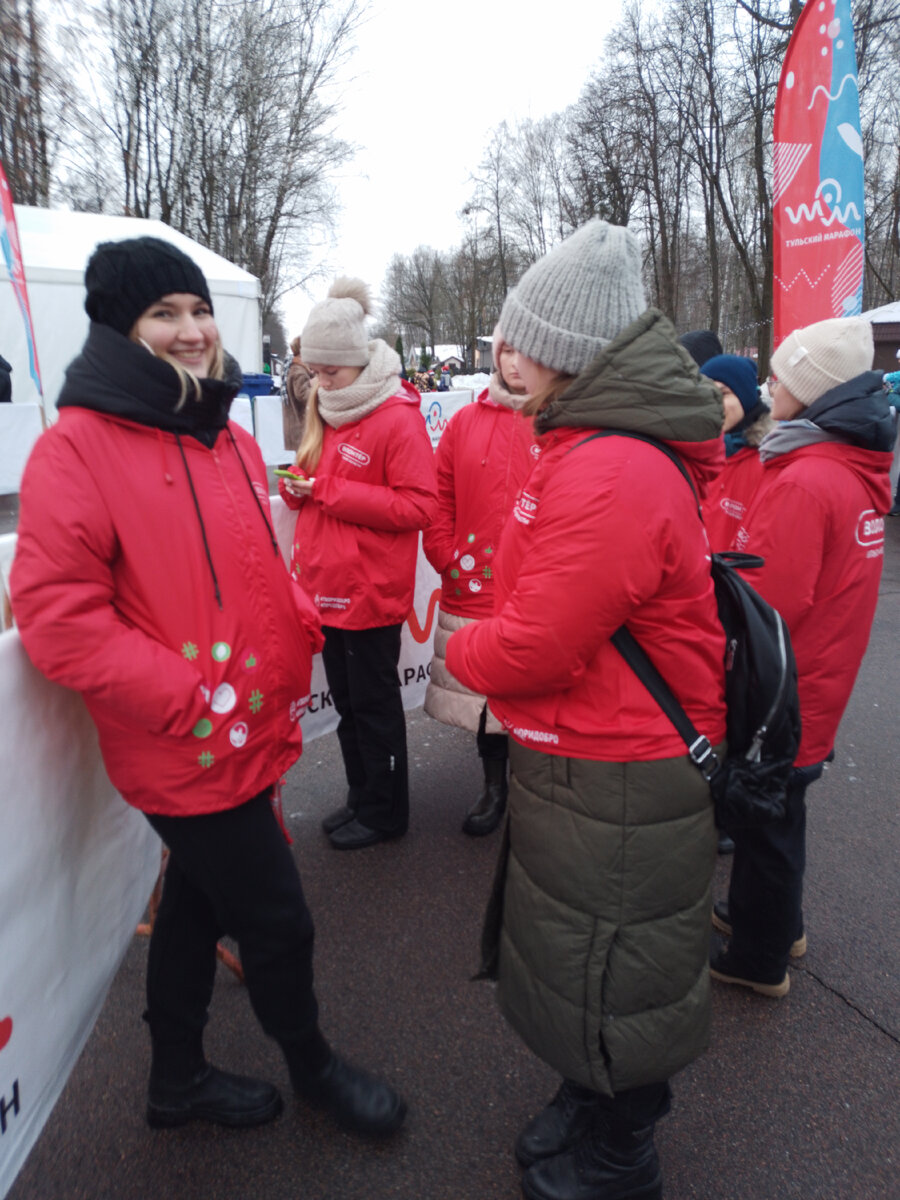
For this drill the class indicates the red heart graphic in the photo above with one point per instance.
(5, 1031)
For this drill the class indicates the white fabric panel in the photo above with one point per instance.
(20, 427)
(77, 866)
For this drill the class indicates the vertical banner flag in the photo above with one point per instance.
(818, 203)
(9, 240)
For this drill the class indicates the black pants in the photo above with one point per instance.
(491, 745)
(636, 1108)
(765, 898)
(230, 873)
(361, 669)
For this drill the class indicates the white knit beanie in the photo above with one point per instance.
(811, 361)
(576, 299)
(335, 331)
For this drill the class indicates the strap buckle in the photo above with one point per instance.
(702, 756)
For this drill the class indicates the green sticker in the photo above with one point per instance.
(190, 651)
(203, 728)
(454, 574)
(470, 538)
(255, 701)
(206, 759)
(221, 651)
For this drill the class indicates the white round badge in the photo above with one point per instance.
(467, 562)
(474, 585)
(237, 735)
(224, 699)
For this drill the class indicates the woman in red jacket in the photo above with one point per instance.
(366, 487)
(817, 519)
(155, 589)
(601, 950)
(484, 456)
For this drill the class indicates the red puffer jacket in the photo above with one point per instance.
(818, 521)
(484, 456)
(605, 535)
(196, 700)
(357, 536)
(730, 496)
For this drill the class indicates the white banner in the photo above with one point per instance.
(77, 866)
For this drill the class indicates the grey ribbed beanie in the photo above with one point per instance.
(811, 361)
(576, 299)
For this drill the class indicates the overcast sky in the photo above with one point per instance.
(430, 80)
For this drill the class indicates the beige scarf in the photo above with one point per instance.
(379, 380)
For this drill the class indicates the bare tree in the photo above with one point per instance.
(24, 140)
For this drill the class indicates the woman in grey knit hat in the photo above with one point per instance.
(598, 930)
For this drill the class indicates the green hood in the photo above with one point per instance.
(645, 382)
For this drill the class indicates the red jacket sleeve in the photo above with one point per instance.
(439, 538)
(62, 594)
(408, 498)
(786, 526)
(589, 564)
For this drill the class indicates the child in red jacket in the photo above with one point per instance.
(817, 519)
(483, 458)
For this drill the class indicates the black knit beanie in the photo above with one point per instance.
(124, 278)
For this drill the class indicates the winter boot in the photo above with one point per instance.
(617, 1161)
(487, 812)
(568, 1117)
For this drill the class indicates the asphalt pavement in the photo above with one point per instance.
(796, 1098)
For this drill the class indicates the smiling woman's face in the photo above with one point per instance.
(180, 326)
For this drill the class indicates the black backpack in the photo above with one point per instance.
(749, 786)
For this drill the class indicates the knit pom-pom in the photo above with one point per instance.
(348, 288)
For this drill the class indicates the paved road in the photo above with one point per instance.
(797, 1098)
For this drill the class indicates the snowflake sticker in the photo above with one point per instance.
(256, 700)
(206, 759)
(190, 651)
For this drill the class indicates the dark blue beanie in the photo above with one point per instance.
(738, 374)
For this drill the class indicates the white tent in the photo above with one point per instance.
(55, 248)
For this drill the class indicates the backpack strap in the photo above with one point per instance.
(698, 746)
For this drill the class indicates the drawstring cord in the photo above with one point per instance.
(212, 569)
(262, 512)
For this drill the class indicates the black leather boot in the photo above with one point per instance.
(558, 1127)
(355, 1099)
(487, 812)
(211, 1095)
(614, 1162)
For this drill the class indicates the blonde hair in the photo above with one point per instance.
(539, 401)
(310, 449)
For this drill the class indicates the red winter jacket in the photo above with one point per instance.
(357, 536)
(818, 520)
(484, 456)
(602, 534)
(730, 496)
(196, 703)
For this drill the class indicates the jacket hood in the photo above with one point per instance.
(116, 376)
(858, 412)
(645, 382)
